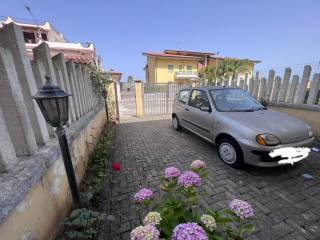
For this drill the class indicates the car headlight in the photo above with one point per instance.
(310, 133)
(267, 140)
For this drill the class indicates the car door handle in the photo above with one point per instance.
(187, 109)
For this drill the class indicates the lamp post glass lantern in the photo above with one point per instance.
(53, 103)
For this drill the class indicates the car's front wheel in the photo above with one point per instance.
(175, 123)
(230, 152)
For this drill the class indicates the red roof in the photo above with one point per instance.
(169, 55)
(191, 55)
(79, 59)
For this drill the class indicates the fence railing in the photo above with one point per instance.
(288, 87)
(158, 98)
(22, 127)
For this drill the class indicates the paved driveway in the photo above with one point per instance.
(287, 205)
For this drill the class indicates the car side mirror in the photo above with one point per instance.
(205, 109)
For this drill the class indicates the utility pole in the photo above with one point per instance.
(216, 80)
(39, 37)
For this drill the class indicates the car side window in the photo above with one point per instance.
(198, 99)
(183, 96)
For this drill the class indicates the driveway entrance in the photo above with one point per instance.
(286, 204)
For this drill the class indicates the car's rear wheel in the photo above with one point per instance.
(175, 123)
(230, 152)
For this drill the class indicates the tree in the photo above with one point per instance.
(130, 79)
(224, 69)
(236, 66)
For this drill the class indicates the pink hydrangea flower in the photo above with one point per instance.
(189, 179)
(143, 194)
(148, 232)
(197, 164)
(241, 208)
(190, 231)
(171, 173)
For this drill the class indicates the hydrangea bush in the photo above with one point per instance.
(177, 215)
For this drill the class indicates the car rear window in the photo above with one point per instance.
(183, 96)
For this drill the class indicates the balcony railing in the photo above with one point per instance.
(186, 74)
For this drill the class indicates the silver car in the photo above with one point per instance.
(243, 130)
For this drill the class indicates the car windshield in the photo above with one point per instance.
(234, 100)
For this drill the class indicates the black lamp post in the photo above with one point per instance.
(53, 103)
(105, 96)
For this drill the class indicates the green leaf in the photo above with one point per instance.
(248, 228)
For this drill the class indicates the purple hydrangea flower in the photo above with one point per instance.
(148, 232)
(241, 208)
(190, 231)
(143, 194)
(189, 179)
(197, 164)
(171, 172)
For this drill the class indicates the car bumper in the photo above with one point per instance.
(255, 154)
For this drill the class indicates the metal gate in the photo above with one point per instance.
(158, 98)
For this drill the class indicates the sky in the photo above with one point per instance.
(277, 32)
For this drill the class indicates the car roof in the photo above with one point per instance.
(210, 88)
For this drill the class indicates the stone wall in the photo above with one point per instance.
(308, 114)
(34, 193)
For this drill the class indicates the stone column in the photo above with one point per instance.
(285, 85)
(81, 88)
(270, 85)
(42, 53)
(74, 88)
(293, 88)
(303, 85)
(262, 90)
(14, 109)
(241, 85)
(64, 81)
(314, 88)
(39, 74)
(256, 84)
(13, 40)
(7, 154)
(89, 83)
(86, 87)
(276, 89)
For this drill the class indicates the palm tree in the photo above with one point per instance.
(235, 67)
(225, 69)
(130, 79)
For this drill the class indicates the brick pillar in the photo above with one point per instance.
(139, 99)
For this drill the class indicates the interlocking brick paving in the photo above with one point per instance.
(287, 206)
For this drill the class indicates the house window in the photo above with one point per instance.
(189, 68)
(180, 68)
(44, 36)
(29, 37)
(170, 68)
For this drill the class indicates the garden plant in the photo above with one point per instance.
(177, 215)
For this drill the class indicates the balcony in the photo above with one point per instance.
(186, 75)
